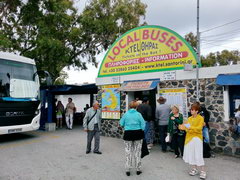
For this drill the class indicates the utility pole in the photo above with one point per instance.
(198, 53)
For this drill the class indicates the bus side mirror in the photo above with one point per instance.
(44, 75)
(34, 76)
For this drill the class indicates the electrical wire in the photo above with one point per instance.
(220, 26)
(230, 38)
(235, 31)
(213, 44)
(224, 37)
(205, 40)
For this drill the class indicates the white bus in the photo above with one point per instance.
(19, 94)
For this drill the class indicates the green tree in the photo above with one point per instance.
(192, 40)
(54, 33)
(61, 79)
(223, 58)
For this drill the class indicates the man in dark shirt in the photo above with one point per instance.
(146, 111)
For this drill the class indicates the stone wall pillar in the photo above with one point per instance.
(111, 128)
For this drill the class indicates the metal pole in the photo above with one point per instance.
(198, 52)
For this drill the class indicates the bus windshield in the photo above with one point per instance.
(17, 80)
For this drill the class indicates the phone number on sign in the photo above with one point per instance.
(125, 69)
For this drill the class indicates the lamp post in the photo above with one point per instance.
(198, 53)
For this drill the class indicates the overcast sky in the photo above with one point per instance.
(181, 17)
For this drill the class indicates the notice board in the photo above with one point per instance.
(176, 96)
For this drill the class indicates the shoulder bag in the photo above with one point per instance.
(91, 118)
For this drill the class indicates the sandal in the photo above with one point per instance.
(193, 172)
(203, 175)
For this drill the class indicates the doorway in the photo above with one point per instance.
(150, 94)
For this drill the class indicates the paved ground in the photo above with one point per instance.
(61, 155)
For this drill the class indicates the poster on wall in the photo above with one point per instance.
(147, 49)
(176, 96)
(110, 102)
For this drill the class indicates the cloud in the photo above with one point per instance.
(181, 17)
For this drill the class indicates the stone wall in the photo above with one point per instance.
(211, 95)
(222, 140)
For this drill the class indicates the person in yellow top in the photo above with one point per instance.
(193, 147)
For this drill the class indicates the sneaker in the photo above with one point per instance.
(203, 175)
(193, 172)
(212, 155)
(149, 147)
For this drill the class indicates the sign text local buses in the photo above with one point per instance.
(147, 49)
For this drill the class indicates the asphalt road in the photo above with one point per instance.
(60, 155)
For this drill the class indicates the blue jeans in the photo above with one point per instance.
(205, 134)
(147, 125)
(163, 134)
(149, 132)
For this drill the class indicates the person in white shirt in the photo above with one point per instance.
(70, 110)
